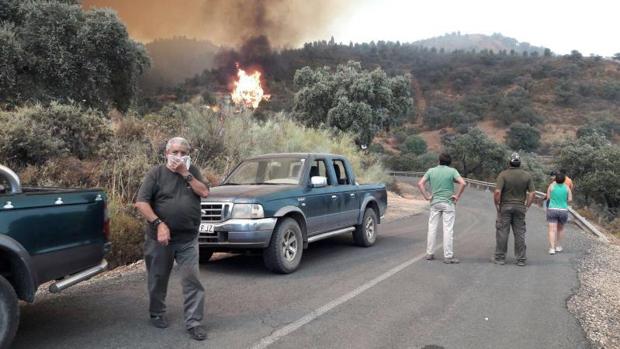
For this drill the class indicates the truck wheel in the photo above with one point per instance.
(9, 313)
(285, 249)
(204, 254)
(365, 234)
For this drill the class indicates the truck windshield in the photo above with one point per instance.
(267, 171)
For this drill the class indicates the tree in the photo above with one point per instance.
(55, 51)
(522, 136)
(594, 164)
(602, 123)
(414, 144)
(517, 106)
(351, 99)
(475, 155)
(566, 93)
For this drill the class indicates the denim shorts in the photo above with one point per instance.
(557, 216)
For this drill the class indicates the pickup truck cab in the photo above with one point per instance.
(279, 203)
(46, 234)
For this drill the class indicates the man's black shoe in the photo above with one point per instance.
(159, 321)
(521, 263)
(198, 333)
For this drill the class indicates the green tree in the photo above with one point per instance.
(566, 93)
(516, 105)
(414, 144)
(475, 155)
(522, 136)
(604, 123)
(351, 99)
(55, 51)
(594, 164)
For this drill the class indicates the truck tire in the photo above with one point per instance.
(285, 248)
(204, 254)
(365, 234)
(9, 313)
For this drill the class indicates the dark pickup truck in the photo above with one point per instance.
(279, 203)
(46, 234)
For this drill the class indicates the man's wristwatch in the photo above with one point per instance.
(188, 178)
(156, 222)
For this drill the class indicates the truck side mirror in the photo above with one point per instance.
(318, 182)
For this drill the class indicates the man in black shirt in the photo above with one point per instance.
(169, 199)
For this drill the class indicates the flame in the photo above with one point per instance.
(247, 90)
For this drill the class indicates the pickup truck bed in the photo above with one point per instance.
(46, 234)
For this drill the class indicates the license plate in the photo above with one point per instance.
(206, 228)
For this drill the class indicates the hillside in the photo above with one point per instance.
(176, 59)
(453, 91)
(468, 42)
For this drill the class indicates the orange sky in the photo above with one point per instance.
(228, 22)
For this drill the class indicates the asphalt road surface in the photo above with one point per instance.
(344, 296)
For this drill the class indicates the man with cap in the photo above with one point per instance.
(514, 193)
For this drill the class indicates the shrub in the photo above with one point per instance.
(521, 136)
(25, 141)
(517, 106)
(566, 93)
(410, 162)
(126, 234)
(435, 117)
(376, 148)
(220, 141)
(414, 144)
(35, 134)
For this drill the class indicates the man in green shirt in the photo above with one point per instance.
(443, 201)
(514, 193)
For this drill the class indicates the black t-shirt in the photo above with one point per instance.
(173, 200)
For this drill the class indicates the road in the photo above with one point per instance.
(343, 296)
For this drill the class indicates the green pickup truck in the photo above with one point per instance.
(46, 234)
(279, 203)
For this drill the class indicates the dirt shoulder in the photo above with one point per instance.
(596, 304)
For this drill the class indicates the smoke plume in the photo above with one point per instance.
(228, 22)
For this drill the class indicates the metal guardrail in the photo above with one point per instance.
(581, 221)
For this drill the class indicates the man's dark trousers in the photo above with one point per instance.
(159, 261)
(510, 215)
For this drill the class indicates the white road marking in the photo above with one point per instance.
(276, 335)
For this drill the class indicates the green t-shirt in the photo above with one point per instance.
(442, 180)
(559, 196)
(514, 183)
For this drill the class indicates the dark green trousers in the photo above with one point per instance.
(510, 215)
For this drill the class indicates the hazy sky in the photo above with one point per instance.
(588, 26)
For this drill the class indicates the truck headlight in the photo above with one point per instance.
(245, 211)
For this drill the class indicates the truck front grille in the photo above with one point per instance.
(214, 211)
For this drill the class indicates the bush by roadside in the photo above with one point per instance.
(89, 151)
